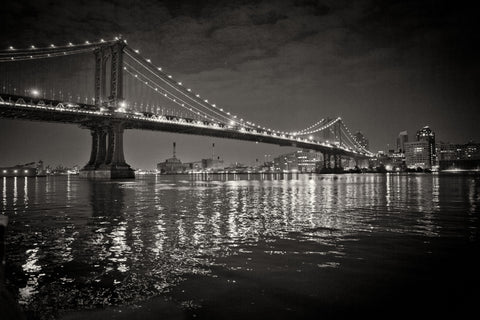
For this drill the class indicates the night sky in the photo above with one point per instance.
(383, 66)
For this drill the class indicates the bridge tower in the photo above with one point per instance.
(109, 85)
(107, 159)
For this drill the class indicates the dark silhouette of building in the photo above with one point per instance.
(401, 140)
(362, 140)
(426, 134)
(171, 165)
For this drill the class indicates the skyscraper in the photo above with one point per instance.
(426, 134)
(401, 139)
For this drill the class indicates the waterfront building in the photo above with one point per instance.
(171, 165)
(446, 151)
(300, 160)
(401, 140)
(426, 134)
(458, 156)
(362, 140)
(212, 164)
(193, 166)
(418, 155)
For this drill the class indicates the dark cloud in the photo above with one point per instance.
(384, 66)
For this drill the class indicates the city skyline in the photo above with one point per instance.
(383, 67)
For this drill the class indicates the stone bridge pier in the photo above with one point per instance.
(107, 159)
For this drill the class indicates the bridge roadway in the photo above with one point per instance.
(87, 116)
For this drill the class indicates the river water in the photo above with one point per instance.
(243, 246)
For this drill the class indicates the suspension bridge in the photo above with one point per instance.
(54, 84)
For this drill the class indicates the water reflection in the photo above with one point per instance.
(109, 242)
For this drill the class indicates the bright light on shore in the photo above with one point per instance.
(35, 92)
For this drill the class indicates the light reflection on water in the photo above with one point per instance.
(111, 242)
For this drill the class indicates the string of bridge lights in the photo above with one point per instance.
(174, 98)
(328, 125)
(300, 132)
(165, 93)
(37, 56)
(11, 50)
(51, 51)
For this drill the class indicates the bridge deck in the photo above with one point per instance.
(85, 115)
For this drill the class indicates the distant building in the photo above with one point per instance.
(300, 160)
(362, 140)
(171, 165)
(446, 151)
(458, 156)
(418, 154)
(426, 134)
(212, 164)
(401, 140)
(193, 166)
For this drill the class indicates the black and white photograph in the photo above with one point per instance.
(239, 159)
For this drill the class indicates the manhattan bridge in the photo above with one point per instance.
(108, 87)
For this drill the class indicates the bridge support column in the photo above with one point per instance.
(101, 145)
(93, 153)
(109, 161)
